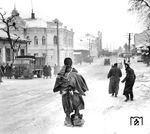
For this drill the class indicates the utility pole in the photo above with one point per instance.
(129, 43)
(58, 57)
(89, 47)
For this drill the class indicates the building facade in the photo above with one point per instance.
(43, 38)
(5, 48)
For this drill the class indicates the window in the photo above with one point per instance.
(8, 55)
(55, 40)
(35, 40)
(35, 54)
(28, 38)
(43, 40)
(44, 54)
(22, 52)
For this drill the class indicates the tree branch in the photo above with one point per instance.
(3, 30)
(18, 47)
(146, 3)
(2, 17)
(16, 41)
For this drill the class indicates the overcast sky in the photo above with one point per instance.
(84, 16)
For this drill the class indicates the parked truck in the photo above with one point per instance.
(28, 66)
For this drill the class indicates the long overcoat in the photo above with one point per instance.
(72, 86)
(129, 80)
(114, 75)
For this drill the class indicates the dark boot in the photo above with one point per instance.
(77, 120)
(127, 97)
(131, 96)
(126, 100)
(67, 121)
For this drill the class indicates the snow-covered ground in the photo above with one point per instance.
(30, 106)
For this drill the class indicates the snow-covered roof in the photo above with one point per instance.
(81, 47)
(77, 53)
(39, 23)
(4, 36)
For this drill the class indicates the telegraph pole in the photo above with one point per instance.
(89, 47)
(58, 57)
(58, 60)
(129, 43)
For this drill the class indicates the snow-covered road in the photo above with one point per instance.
(30, 106)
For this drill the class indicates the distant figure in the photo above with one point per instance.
(72, 87)
(114, 75)
(90, 59)
(80, 61)
(55, 70)
(49, 71)
(8, 71)
(129, 82)
(45, 72)
(3, 69)
(1, 75)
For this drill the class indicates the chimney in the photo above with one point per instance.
(32, 15)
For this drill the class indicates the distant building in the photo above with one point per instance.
(142, 39)
(89, 47)
(6, 51)
(92, 44)
(43, 37)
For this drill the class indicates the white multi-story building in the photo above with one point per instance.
(43, 38)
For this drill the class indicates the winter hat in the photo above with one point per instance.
(68, 61)
(126, 65)
(115, 65)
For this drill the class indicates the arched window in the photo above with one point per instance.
(43, 40)
(28, 38)
(55, 40)
(35, 40)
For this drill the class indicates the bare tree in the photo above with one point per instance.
(10, 24)
(142, 8)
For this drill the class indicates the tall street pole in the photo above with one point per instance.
(129, 39)
(89, 47)
(58, 57)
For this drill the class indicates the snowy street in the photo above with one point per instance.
(31, 107)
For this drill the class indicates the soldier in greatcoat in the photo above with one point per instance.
(129, 82)
(55, 70)
(114, 75)
(72, 87)
(1, 75)
(49, 71)
(45, 72)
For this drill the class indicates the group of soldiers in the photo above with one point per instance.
(47, 71)
(115, 74)
(6, 71)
